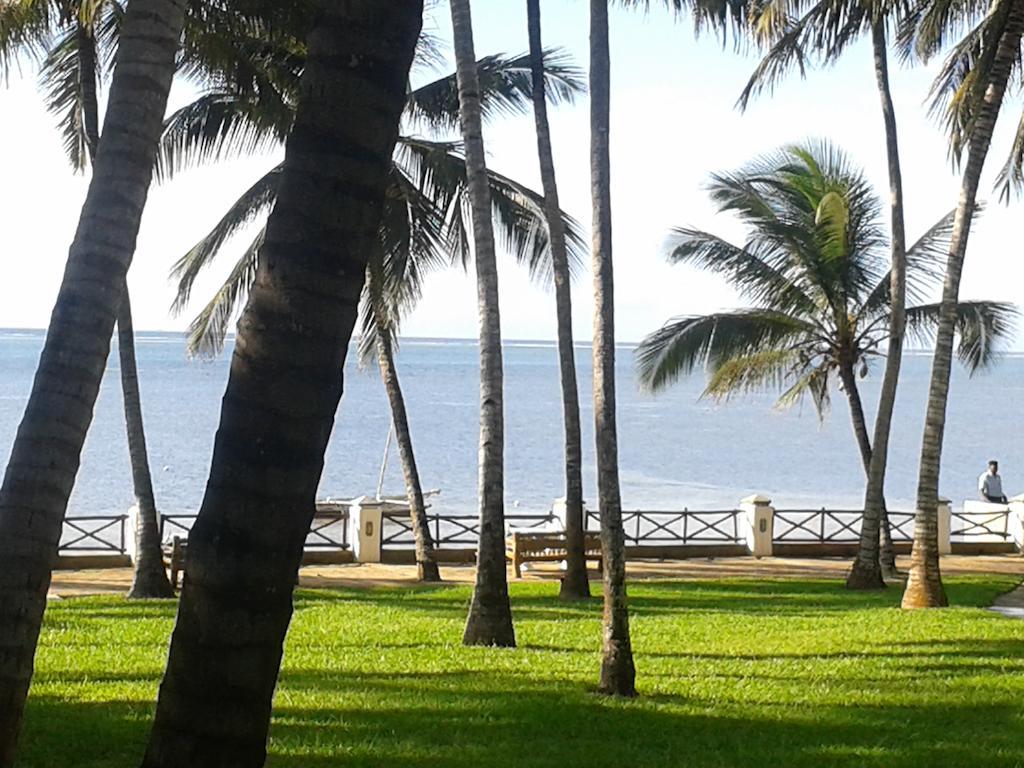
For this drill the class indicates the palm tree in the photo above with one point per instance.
(971, 86)
(70, 75)
(575, 585)
(825, 30)
(814, 268)
(425, 221)
(490, 615)
(618, 673)
(34, 496)
(284, 388)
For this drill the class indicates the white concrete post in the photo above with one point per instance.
(760, 515)
(558, 509)
(365, 521)
(1016, 522)
(945, 515)
(131, 527)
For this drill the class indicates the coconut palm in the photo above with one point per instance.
(283, 389)
(78, 46)
(490, 615)
(34, 496)
(425, 223)
(618, 673)
(575, 585)
(969, 91)
(814, 270)
(822, 32)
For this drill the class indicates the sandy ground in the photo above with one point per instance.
(116, 580)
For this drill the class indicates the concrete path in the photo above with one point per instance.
(1011, 604)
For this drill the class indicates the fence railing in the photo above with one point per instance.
(449, 531)
(833, 526)
(329, 531)
(94, 534)
(981, 526)
(661, 528)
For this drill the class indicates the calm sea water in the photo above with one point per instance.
(676, 450)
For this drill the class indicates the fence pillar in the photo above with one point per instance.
(945, 516)
(130, 531)
(760, 515)
(559, 509)
(365, 519)
(1015, 523)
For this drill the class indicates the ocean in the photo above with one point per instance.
(676, 450)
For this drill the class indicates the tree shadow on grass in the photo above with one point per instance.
(480, 719)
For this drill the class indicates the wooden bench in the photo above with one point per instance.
(546, 547)
(174, 557)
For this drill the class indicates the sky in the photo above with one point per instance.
(674, 123)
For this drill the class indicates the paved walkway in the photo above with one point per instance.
(116, 581)
(1011, 604)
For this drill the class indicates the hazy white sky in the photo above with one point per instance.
(674, 123)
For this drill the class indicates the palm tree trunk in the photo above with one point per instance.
(149, 579)
(924, 587)
(46, 453)
(426, 564)
(575, 585)
(871, 566)
(618, 673)
(283, 390)
(490, 613)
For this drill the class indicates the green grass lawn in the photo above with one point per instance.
(731, 673)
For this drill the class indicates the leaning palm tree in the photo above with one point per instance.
(283, 390)
(969, 89)
(78, 45)
(814, 269)
(575, 585)
(823, 31)
(490, 615)
(34, 496)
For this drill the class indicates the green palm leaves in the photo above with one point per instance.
(425, 224)
(815, 270)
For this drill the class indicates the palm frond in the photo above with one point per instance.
(1010, 180)
(813, 381)
(218, 125)
(759, 277)
(207, 332)
(61, 78)
(255, 201)
(925, 267)
(26, 33)
(682, 344)
(982, 328)
(506, 89)
(765, 369)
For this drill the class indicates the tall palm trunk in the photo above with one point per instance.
(490, 614)
(924, 587)
(283, 390)
(871, 566)
(46, 453)
(575, 585)
(149, 578)
(882, 535)
(426, 564)
(618, 674)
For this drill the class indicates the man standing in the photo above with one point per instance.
(990, 484)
